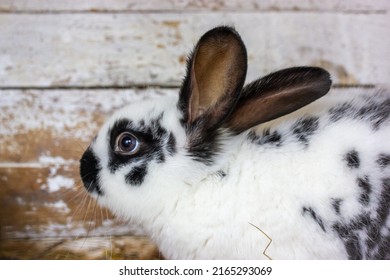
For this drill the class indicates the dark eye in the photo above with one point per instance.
(126, 144)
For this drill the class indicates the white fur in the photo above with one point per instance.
(190, 212)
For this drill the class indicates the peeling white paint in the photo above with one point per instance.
(65, 113)
(45, 159)
(59, 205)
(57, 182)
(75, 229)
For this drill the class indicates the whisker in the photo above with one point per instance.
(110, 236)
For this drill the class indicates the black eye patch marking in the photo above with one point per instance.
(352, 159)
(383, 160)
(137, 175)
(304, 128)
(375, 110)
(274, 138)
(152, 138)
(314, 216)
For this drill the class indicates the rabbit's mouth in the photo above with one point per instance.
(89, 170)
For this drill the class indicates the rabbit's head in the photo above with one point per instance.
(149, 152)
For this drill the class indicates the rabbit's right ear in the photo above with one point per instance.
(278, 94)
(216, 73)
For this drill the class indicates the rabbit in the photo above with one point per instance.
(276, 169)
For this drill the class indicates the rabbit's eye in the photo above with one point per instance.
(126, 144)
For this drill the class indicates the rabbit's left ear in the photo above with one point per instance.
(276, 95)
(215, 76)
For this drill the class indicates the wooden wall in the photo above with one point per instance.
(66, 65)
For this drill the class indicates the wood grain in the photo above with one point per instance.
(190, 5)
(83, 248)
(114, 50)
(65, 67)
(55, 126)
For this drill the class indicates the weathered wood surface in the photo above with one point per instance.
(55, 126)
(180, 5)
(63, 64)
(92, 50)
(83, 248)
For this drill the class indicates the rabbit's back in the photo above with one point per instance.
(323, 172)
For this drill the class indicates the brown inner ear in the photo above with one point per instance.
(269, 107)
(215, 65)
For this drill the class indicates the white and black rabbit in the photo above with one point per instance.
(213, 171)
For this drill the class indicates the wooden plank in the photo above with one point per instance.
(61, 50)
(84, 248)
(55, 126)
(190, 5)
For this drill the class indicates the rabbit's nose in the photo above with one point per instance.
(89, 172)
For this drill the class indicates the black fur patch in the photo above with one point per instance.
(274, 138)
(171, 145)
(340, 111)
(364, 184)
(376, 110)
(336, 203)
(314, 216)
(203, 146)
(152, 139)
(304, 128)
(352, 159)
(137, 175)
(351, 241)
(221, 173)
(376, 239)
(383, 160)
(365, 236)
(89, 171)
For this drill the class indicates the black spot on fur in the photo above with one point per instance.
(350, 240)
(274, 138)
(89, 171)
(340, 111)
(304, 128)
(378, 241)
(221, 173)
(171, 145)
(349, 234)
(336, 203)
(383, 160)
(137, 175)
(314, 216)
(365, 185)
(352, 159)
(367, 236)
(205, 147)
(375, 110)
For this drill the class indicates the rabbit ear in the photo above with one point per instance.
(278, 94)
(215, 76)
